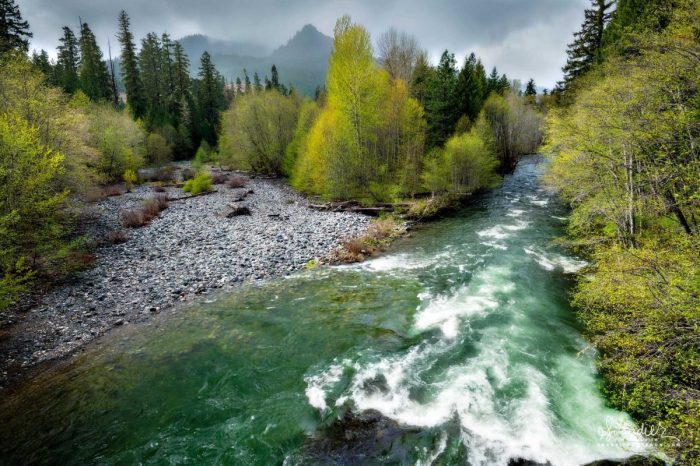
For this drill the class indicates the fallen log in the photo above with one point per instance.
(184, 198)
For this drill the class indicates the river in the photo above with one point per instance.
(462, 332)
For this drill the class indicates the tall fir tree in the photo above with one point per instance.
(585, 50)
(14, 31)
(182, 103)
(42, 63)
(275, 78)
(167, 47)
(68, 61)
(247, 88)
(257, 85)
(209, 100)
(112, 77)
(94, 77)
(130, 68)
(471, 88)
(150, 67)
(441, 102)
(531, 89)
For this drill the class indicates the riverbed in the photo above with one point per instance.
(461, 338)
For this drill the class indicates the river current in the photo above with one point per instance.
(462, 333)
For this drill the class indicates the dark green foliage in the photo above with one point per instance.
(41, 62)
(440, 101)
(68, 62)
(633, 17)
(130, 68)
(152, 77)
(496, 83)
(274, 80)
(585, 50)
(471, 88)
(247, 87)
(14, 31)
(210, 101)
(93, 74)
(531, 89)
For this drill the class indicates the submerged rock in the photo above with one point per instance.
(364, 438)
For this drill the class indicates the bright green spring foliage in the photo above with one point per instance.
(629, 163)
(118, 139)
(257, 130)
(370, 132)
(308, 113)
(511, 127)
(31, 203)
(55, 151)
(464, 166)
(201, 183)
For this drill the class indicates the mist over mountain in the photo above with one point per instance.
(196, 44)
(302, 62)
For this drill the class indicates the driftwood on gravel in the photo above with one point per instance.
(184, 198)
(356, 207)
(236, 210)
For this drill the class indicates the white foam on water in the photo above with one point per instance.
(534, 200)
(515, 213)
(477, 298)
(318, 384)
(521, 225)
(397, 262)
(551, 261)
(495, 245)
(493, 232)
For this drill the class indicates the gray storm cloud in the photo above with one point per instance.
(524, 38)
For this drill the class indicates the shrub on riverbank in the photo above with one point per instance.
(151, 208)
(201, 183)
(380, 233)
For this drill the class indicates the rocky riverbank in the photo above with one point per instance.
(192, 248)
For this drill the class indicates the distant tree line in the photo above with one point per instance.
(180, 112)
(387, 131)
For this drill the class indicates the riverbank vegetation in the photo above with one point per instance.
(386, 129)
(68, 133)
(625, 139)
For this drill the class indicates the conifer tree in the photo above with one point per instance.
(94, 77)
(531, 89)
(239, 85)
(257, 85)
(41, 62)
(130, 68)
(471, 88)
(248, 87)
(14, 31)
(585, 50)
(209, 100)
(150, 66)
(275, 79)
(112, 77)
(441, 108)
(68, 61)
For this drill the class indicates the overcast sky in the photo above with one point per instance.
(524, 38)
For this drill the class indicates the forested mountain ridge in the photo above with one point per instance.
(302, 61)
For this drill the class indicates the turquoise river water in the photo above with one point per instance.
(461, 333)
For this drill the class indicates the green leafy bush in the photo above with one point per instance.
(199, 184)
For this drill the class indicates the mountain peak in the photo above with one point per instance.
(308, 41)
